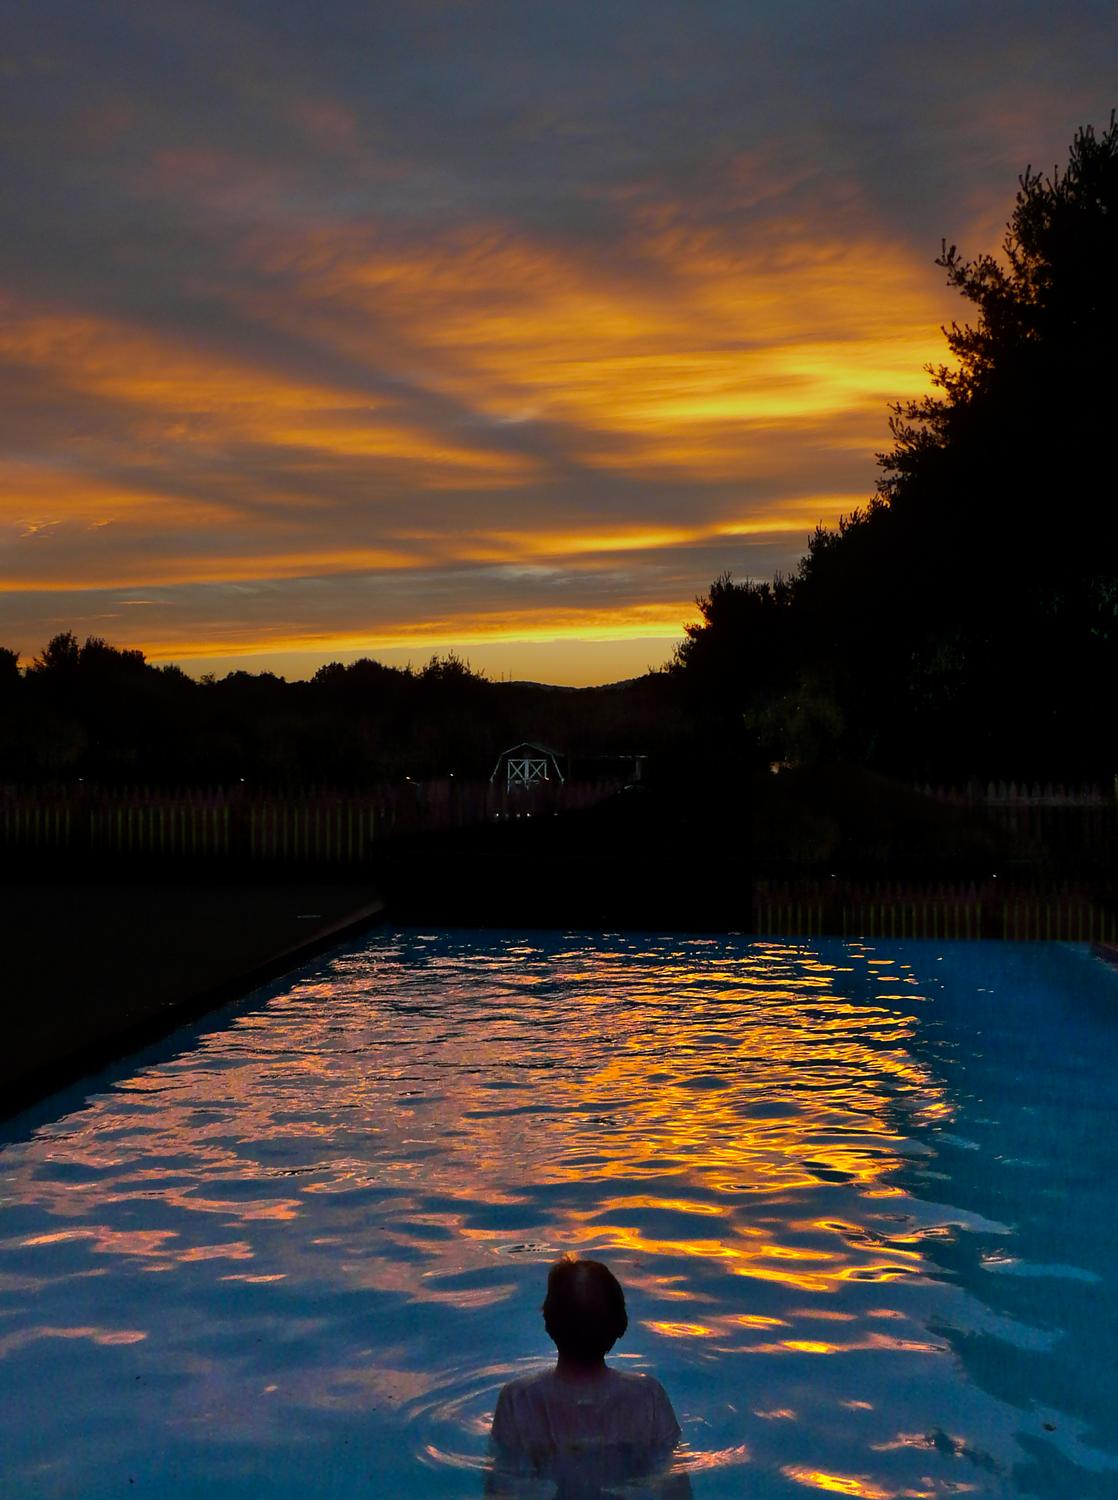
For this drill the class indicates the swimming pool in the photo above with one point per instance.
(861, 1197)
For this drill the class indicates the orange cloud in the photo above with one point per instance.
(681, 358)
(480, 398)
(203, 399)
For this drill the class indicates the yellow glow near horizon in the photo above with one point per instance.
(634, 624)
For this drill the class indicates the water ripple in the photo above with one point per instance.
(313, 1242)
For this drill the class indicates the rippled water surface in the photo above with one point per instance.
(861, 1198)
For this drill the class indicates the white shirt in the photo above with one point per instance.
(544, 1414)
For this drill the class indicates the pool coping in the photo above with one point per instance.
(1108, 952)
(116, 1041)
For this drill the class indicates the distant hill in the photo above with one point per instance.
(560, 687)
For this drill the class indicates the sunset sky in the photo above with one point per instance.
(351, 329)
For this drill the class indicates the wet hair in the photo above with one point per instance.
(584, 1310)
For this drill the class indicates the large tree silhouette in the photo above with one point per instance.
(965, 620)
(1022, 415)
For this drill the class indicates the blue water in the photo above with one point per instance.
(862, 1199)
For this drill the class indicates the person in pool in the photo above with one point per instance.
(582, 1423)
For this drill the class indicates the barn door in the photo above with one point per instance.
(526, 771)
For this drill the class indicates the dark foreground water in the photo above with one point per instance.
(862, 1199)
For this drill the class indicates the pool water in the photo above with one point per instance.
(861, 1197)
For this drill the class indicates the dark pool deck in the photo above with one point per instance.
(91, 969)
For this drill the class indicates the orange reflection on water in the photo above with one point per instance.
(106, 1241)
(838, 1484)
(681, 1330)
(645, 1093)
(419, 1129)
(810, 1346)
(106, 1337)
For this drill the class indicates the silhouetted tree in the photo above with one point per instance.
(60, 656)
(450, 669)
(740, 655)
(1009, 446)
(967, 617)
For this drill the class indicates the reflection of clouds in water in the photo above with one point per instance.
(837, 1484)
(521, 1072)
(104, 1336)
(339, 1189)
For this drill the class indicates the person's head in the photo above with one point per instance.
(584, 1310)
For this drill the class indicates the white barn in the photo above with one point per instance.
(527, 766)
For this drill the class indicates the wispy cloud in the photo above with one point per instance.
(314, 323)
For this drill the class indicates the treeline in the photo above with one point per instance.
(92, 710)
(965, 622)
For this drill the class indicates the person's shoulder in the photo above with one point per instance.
(517, 1413)
(646, 1393)
(524, 1385)
(637, 1380)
